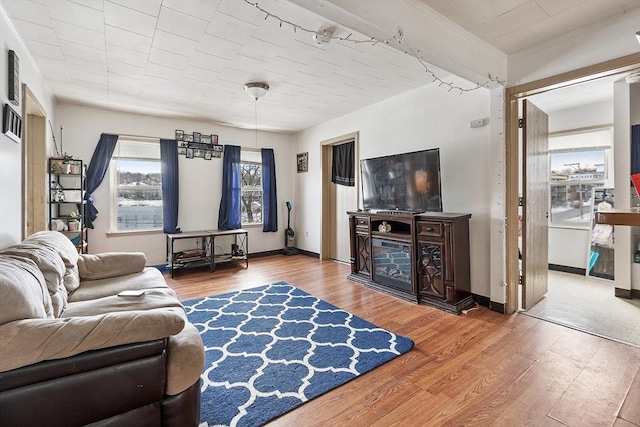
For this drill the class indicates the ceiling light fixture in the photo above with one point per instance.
(256, 90)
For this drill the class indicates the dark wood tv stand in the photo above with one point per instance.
(422, 258)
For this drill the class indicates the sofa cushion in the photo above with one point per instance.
(152, 298)
(185, 360)
(23, 290)
(50, 263)
(110, 264)
(24, 342)
(60, 242)
(149, 278)
(67, 252)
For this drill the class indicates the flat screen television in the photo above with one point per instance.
(405, 182)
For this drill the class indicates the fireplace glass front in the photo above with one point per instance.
(392, 263)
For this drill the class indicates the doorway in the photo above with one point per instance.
(513, 154)
(337, 200)
(34, 164)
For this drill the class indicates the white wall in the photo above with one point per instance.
(200, 180)
(569, 246)
(11, 152)
(427, 117)
(608, 39)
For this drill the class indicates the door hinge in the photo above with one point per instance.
(519, 280)
(520, 201)
(520, 123)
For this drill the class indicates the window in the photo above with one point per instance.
(579, 162)
(251, 187)
(137, 186)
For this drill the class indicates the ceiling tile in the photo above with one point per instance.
(89, 66)
(517, 18)
(207, 62)
(162, 71)
(553, 7)
(121, 54)
(216, 46)
(178, 23)
(202, 9)
(149, 7)
(79, 35)
(129, 19)
(45, 50)
(29, 31)
(230, 28)
(126, 70)
(28, 11)
(76, 14)
(174, 43)
(93, 4)
(168, 59)
(74, 50)
(127, 39)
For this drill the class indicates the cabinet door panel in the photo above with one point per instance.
(363, 254)
(431, 269)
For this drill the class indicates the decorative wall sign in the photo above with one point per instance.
(198, 145)
(11, 123)
(14, 78)
(302, 160)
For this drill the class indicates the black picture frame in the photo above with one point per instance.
(197, 137)
(12, 123)
(208, 154)
(217, 154)
(13, 78)
(198, 153)
(188, 137)
(182, 150)
(217, 147)
(189, 153)
(206, 139)
(179, 135)
(214, 139)
(302, 162)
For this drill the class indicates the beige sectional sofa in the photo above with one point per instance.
(74, 352)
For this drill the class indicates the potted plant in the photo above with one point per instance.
(67, 161)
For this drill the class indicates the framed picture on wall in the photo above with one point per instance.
(217, 147)
(196, 137)
(302, 161)
(207, 155)
(189, 153)
(179, 135)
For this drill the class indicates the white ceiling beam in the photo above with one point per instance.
(441, 42)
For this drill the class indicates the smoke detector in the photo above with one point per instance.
(321, 38)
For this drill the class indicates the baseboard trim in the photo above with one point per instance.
(309, 253)
(264, 254)
(481, 300)
(498, 307)
(627, 293)
(567, 269)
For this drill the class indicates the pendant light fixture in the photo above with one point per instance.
(256, 90)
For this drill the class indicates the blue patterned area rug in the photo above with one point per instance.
(272, 348)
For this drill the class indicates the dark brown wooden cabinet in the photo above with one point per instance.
(421, 258)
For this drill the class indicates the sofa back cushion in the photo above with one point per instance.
(50, 264)
(67, 252)
(23, 290)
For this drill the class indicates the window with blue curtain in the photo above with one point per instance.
(230, 210)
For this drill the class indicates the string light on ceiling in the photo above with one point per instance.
(325, 38)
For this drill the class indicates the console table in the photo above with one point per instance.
(422, 258)
(204, 254)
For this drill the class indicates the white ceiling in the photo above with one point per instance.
(191, 58)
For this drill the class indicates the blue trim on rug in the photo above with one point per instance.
(270, 349)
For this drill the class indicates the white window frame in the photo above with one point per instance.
(579, 141)
(252, 156)
(113, 171)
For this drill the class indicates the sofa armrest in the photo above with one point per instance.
(110, 264)
(24, 342)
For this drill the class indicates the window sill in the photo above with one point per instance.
(133, 233)
(569, 227)
(252, 225)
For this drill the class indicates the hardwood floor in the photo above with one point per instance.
(480, 369)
